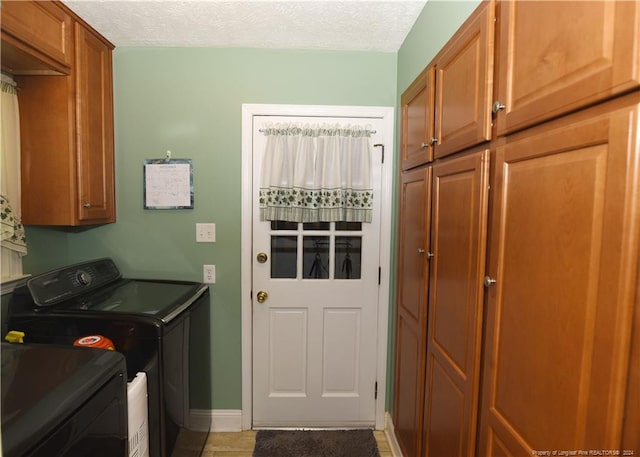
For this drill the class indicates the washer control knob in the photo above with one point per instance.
(83, 278)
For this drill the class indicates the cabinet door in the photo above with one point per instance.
(564, 252)
(411, 308)
(95, 128)
(36, 37)
(458, 242)
(464, 78)
(47, 155)
(417, 121)
(583, 52)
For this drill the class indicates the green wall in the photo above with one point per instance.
(188, 100)
(436, 24)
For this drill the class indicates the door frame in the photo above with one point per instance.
(388, 117)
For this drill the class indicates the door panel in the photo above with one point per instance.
(414, 241)
(445, 400)
(341, 352)
(564, 254)
(288, 351)
(458, 241)
(315, 333)
(409, 383)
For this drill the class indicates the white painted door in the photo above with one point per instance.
(315, 335)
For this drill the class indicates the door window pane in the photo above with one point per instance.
(349, 226)
(315, 257)
(284, 256)
(316, 225)
(348, 257)
(284, 225)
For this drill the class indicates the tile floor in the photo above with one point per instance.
(240, 444)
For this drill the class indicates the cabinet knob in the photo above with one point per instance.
(430, 255)
(488, 281)
(87, 205)
(423, 145)
(497, 106)
(421, 251)
(434, 141)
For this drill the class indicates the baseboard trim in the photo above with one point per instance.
(230, 420)
(390, 433)
(222, 420)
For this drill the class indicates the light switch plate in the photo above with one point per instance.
(205, 233)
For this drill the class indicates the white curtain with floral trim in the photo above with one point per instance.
(314, 173)
(12, 235)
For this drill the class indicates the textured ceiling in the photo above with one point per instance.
(359, 25)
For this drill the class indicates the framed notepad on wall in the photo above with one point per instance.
(168, 184)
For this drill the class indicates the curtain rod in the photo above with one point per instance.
(8, 79)
(368, 131)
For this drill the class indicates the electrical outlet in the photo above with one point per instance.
(209, 274)
(205, 233)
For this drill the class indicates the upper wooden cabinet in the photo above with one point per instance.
(448, 107)
(94, 128)
(67, 138)
(464, 84)
(556, 57)
(417, 120)
(36, 37)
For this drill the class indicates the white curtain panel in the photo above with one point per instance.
(12, 236)
(316, 173)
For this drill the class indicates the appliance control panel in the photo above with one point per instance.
(55, 286)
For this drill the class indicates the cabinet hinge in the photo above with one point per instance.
(375, 391)
(379, 275)
(380, 145)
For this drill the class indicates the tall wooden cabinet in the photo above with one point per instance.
(66, 124)
(533, 316)
(446, 109)
(565, 231)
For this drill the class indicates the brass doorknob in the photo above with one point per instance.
(262, 296)
(261, 257)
